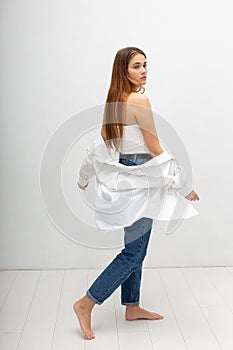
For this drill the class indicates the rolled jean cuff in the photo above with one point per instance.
(93, 298)
(130, 304)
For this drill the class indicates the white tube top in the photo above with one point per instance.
(133, 140)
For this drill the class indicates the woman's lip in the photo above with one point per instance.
(143, 78)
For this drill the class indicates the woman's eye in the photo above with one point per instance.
(136, 67)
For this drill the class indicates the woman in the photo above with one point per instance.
(128, 110)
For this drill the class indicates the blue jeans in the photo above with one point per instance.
(126, 268)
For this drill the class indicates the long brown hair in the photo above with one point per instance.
(120, 87)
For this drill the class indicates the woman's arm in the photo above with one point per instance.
(145, 119)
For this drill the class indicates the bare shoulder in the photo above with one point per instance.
(139, 99)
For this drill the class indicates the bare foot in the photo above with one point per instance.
(135, 312)
(82, 309)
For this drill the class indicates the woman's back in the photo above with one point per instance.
(132, 140)
(139, 135)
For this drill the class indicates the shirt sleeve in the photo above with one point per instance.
(180, 180)
(87, 169)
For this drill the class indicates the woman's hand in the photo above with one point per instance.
(193, 196)
(83, 187)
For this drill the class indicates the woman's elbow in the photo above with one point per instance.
(156, 152)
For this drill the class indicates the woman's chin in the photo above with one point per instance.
(143, 82)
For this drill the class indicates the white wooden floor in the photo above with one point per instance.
(36, 311)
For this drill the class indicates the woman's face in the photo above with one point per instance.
(137, 69)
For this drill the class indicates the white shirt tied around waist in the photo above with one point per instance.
(154, 189)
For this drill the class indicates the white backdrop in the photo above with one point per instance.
(56, 60)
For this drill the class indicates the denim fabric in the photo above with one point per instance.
(126, 268)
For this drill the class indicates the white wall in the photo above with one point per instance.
(56, 60)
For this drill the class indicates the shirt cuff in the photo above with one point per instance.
(82, 181)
